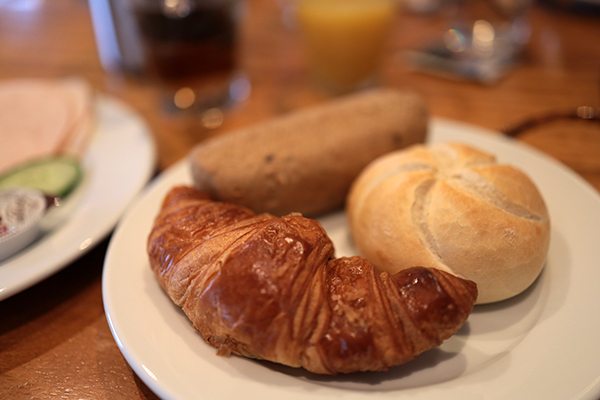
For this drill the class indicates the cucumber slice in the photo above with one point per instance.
(55, 176)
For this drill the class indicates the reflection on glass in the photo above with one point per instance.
(455, 40)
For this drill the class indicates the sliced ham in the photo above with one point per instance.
(42, 117)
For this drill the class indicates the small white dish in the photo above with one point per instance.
(541, 344)
(21, 210)
(119, 162)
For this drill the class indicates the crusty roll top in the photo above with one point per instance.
(452, 207)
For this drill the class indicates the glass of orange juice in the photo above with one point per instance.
(345, 39)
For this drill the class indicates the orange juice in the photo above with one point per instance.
(345, 39)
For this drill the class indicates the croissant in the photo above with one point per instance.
(270, 288)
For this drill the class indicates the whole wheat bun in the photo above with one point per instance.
(452, 207)
(305, 161)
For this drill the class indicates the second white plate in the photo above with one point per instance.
(119, 162)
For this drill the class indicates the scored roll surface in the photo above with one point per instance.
(452, 207)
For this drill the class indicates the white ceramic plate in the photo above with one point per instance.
(541, 345)
(119, 162)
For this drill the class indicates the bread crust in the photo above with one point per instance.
(452, 207)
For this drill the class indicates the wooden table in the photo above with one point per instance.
(54, 337)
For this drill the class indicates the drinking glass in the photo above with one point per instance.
(345, 40)
(484, 39)
(190, 51)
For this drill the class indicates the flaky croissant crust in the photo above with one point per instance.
(270, 288)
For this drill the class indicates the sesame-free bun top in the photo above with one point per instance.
(452, 207)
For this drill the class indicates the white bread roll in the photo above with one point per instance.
(451, 207)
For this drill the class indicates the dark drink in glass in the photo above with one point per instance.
(190, 44)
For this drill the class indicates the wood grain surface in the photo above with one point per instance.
(54, 338)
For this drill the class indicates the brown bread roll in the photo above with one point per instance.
(306, 161)
(451, 207)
